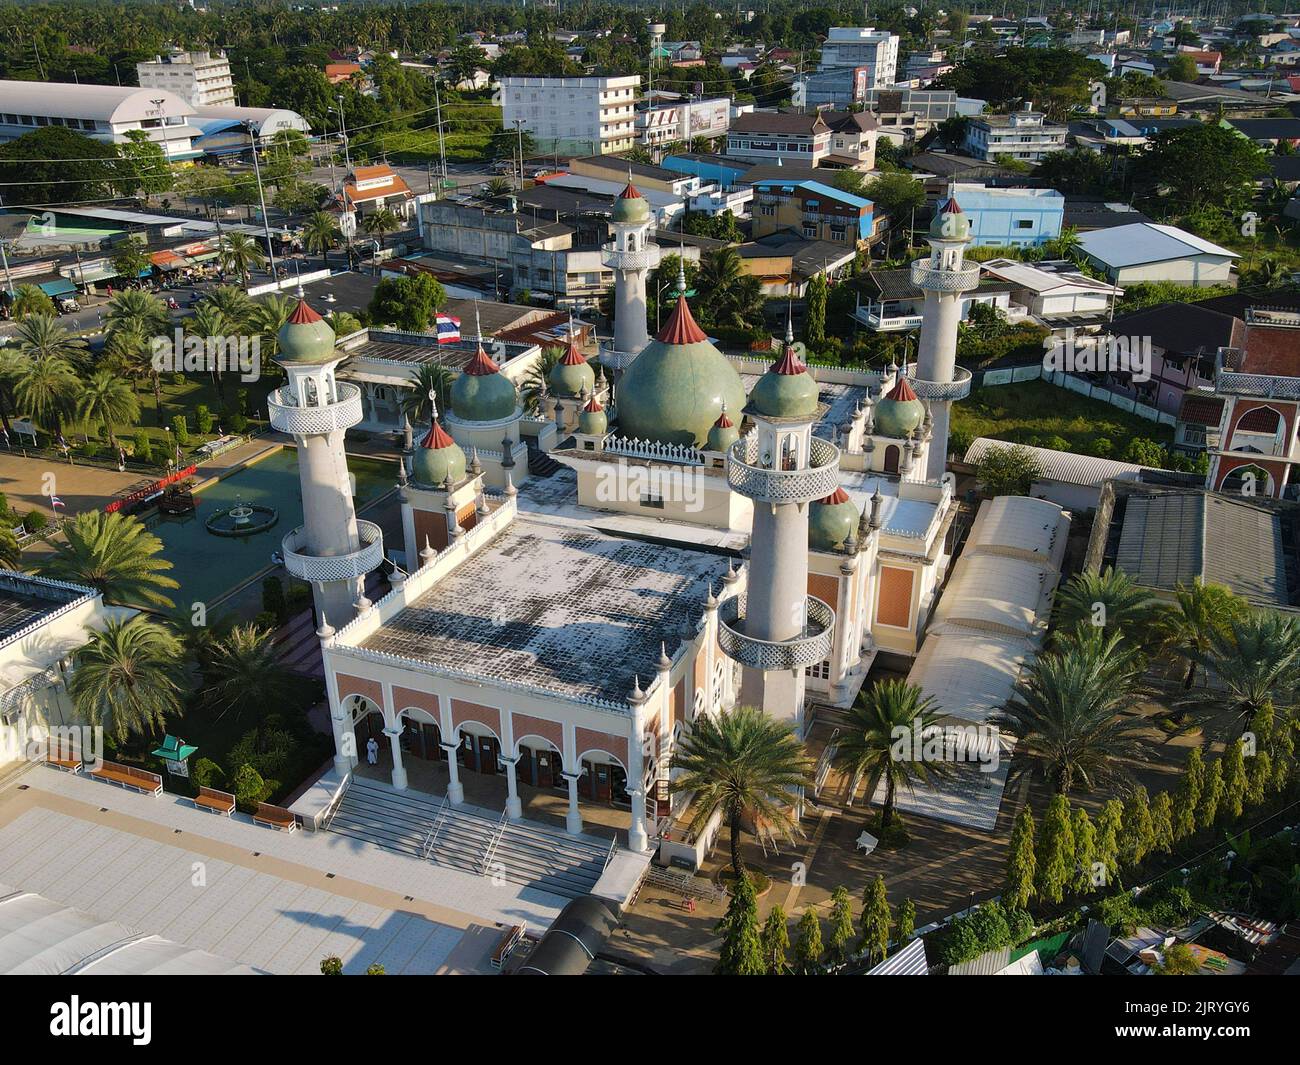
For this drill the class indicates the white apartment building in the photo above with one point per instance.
(579, 116)
(683, 120)
(202, 78)
(874, 50)
(1025, 136)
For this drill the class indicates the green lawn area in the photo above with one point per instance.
(1033, 411)
(184, 397)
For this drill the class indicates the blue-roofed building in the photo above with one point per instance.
(1010, 218)
(812, 210)
(719, 169)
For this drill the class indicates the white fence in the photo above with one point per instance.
(1015, 374)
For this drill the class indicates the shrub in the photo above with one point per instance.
(331, 966)
(266, 620)
(202, 419)
(1120, 913)
(89, 449)
(238, 423)
(273, 600)
(141, 448)
(178, 379)
(35, 521)
(983, 929)
(249, 788)
(207, 774)
(182, 430)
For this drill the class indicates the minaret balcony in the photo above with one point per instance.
(613, 359)
(646, 258)
(808, 648)
(943, 391)
(288, 417)
(748, 475)
(925, 276)
(325, 568)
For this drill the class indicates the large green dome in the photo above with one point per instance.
(787, 390)
(950, 222)
(831, 521)
(482, 393)
(674, 390)
(898, 413)
(306, 338)
(437, 456)
(572, 375)
(631, 206)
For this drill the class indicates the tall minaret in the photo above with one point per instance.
(780, 629)
(943, 277)
(332, 550)
(631, 256)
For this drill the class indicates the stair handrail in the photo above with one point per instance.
(432, 838)
(497, 833)
(609, 855)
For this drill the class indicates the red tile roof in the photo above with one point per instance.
(303, 314)
(481, 364)
(680, 327)
(901, 391)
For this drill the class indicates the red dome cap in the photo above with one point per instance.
(680, 327)
(302, 314)
(436, 438)
(481, 364)
(837, 496)
(902, 391)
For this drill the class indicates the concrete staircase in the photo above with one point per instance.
(470, 839)
(541, 464)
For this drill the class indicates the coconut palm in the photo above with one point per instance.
(1256, 658)
(380, 223)
(415, 400)
(1065, 714)
(243, 673)
(130, 352)
(11, 555)
(719, 273)
(206, 323)
(107, 400)
(47, 390)
(115, 554)
(234, 305)
(1199, 611)
(497, 186)
(29, 300)
(535, 379)
(41, 336)
(239, 254)
(869, 744)
(742, 764)
(139, 311)
(1109, 599)
(320, 233)
(268, 317)
(124, 676)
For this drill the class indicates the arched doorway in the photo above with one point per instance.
(540, 763)
(421, 735)
(367, 725)
(480, 748)
(1249, 481)
(603, 779)
(891, 458)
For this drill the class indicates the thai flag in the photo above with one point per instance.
(448, 329)
(55, 501)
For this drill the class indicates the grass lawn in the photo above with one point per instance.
(1031, 411)
(193, 391)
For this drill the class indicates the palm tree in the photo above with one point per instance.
(719, 273)
(267, 317)
(106, 399)
(870, 747)
(1198, 612)
(1256, 658)
(381, 222)
(139, 311)
(124, 676)
(743, 764)
(114, 554)
(207, 322)
(128, 351)
(320, 233)
(497, 186)
(1064, 714)
(233, 303)
(1067, 244)
(29, 300)
(530, 392)
(46, 390)
(239, 254)
(1110, 600)
(244, 674)
(11, 555)
(41, 336)
(429, 376)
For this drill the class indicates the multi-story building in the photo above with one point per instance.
(581, 116)
(862, 46)
(1025, 136)
(682, 120)
(778, 136)
(202, 78)
(1010, 218)
(813, 211)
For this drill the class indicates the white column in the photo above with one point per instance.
(394, 732)
(573, 821)
(455, 789)
(514, 808)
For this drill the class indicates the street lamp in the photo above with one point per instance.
(250, 126)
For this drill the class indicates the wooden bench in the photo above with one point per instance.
(125, 776)
(512, 936)
(212, 801)
(68, 765)
(276, 817)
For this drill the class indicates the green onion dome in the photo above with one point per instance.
(831, 521)
(482, 393)
(900, 412)
(593, 421)
(631, 206)
(572, 375)
(950, 222)
(675, 389)
(723, 433)
(437, 456)
(306, 338)
(787, 390)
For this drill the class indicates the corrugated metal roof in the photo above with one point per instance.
(1146, 242)
(1063, 466)
(910, 961)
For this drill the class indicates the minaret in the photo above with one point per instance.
(332, 550)
(943, 277)
(631, 256)
(780, 630)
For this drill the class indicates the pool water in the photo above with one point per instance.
(208, 566)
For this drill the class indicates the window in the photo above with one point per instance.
(1024, 223)
(821, 671)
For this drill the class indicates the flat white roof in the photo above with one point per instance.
(1146, 242)
(903, 517)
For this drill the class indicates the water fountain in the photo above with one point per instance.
(242, 519)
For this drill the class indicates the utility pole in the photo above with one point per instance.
(442, 147)
(261, 199)
(343, 132)
(519, 129)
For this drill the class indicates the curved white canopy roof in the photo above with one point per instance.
(104, 103)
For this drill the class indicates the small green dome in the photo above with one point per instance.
(898, 413)
(437, 456)
(723, 433)
(631, 206)
(831, 521)
(482, 393)
(572, 375)
(675, 389)
(306, 338)
(787, 390)
(950, 223)
(593, 421)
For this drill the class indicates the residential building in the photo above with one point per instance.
(779, 136)
(875, 51)
(813, 211)
(1025, 136)
(581, 115)
(1145, 251)
(202, 78)
(682, 120)
(367, 189)
(1055, 293)
(853, 139)
(1010, 218)
(102, 112)
(896, 304)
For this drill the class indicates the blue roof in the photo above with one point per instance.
(819, 189)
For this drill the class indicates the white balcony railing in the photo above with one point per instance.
(288, 417)
(806, 649)
(747, 474)
(325, 568)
